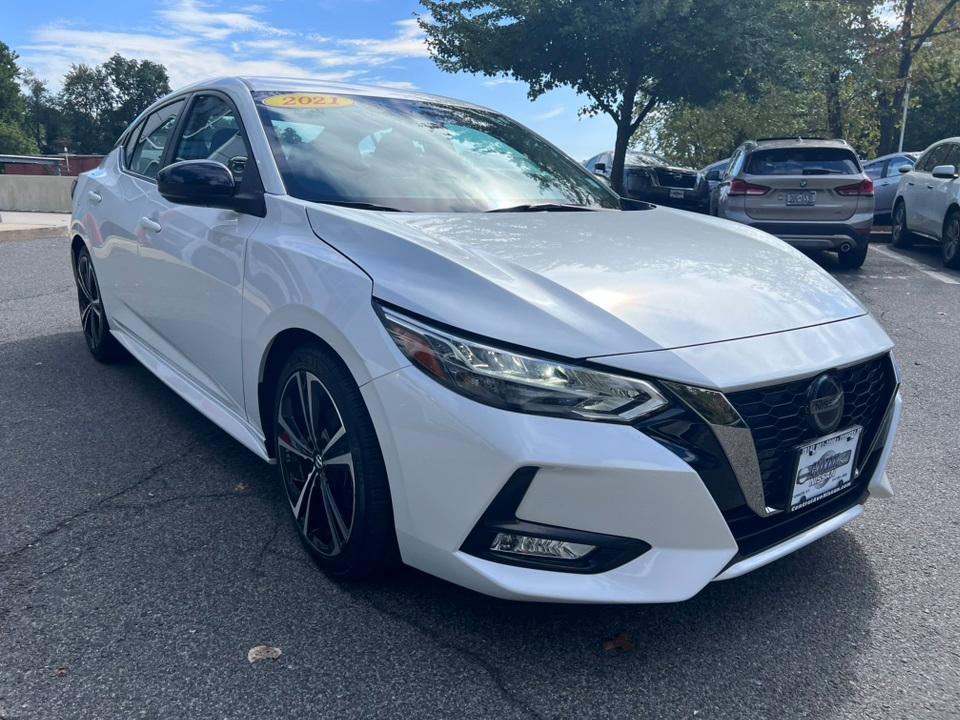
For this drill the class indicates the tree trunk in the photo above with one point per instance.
(834, 105)
(624, 132)
(890, 117)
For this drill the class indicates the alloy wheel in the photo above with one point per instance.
(316, 462)
(91, 305)
(897, 230)
(951, 240)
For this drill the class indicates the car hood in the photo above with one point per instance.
(585, 284)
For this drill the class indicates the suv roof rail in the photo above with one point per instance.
(800, 138)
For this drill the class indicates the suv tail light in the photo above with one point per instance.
(740, 187)
(864, 187)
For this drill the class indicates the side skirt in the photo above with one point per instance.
(210, 407)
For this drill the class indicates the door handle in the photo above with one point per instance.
(911, 183)
(929, 187)
(149, 224)
(94, 196)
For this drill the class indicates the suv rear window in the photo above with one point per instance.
(803, 161)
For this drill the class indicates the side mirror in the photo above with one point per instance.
(599, 168)
(946, 172)
(198, 182)
(904, 169)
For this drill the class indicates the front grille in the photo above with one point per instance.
(777, 418)
(674, 179)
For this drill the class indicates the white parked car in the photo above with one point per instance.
(463, 354)
(928, 201)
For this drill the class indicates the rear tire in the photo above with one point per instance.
(331, 467)
(854, 257)
(93, 318)
(900, 235)
(950, 242)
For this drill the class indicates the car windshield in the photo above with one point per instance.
(639, 158)
(803, 161)
(419, 156)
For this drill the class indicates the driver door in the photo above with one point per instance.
(192, 264)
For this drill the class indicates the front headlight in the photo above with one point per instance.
(514, 381)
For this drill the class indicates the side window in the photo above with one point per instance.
(212, 132)
(893, 169)
(130, 143)
(953, 155)
(932, 158)
(148, 147)
(874, 170)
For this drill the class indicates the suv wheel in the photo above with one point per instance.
(853, 258)
(93, 320)
(331, 467)
(950, 243)
(900, 235)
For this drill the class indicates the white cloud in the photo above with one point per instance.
(551, 113)
(493, 82)
(197, 41)
(194, 17)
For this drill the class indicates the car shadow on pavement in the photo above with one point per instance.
(167, 528)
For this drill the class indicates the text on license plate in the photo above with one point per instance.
(801, 197)
(825, 467)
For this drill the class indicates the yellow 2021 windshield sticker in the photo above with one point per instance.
(308, 101)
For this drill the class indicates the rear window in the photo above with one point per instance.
(803, 161)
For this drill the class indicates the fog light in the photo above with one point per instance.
(539, 547)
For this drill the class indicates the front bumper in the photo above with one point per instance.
(449, 457)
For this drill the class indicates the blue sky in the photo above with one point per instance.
(364, 41)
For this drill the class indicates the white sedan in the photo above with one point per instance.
(465, 353)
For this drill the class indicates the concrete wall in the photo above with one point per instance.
(37, 193)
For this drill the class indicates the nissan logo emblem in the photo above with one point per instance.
(825, 403)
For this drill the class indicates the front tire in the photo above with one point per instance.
(331, 467)
(854, 257)
(93, 319)
(900, 235)
(950, 242)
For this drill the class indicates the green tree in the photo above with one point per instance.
(13, 139)
(628, 57)
(99, 102)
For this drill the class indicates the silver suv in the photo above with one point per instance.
(928, 201)
(810, 193)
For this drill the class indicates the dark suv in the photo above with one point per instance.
(810, 193)
(652, 179)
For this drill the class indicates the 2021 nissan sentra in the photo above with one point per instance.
(462, 353)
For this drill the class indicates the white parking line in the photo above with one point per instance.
(942, 277)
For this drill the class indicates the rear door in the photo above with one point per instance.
(803, 184)
(884, 187)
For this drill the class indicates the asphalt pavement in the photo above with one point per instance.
(143, 553)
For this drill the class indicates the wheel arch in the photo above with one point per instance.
(76, 244)
(953, 208)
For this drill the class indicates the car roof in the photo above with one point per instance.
(795, 142)
(911, 155)
(263, 83)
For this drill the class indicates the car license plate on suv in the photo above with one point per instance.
(676, 194)
(825, 467)
(802, 197)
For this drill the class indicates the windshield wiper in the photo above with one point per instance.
(821, 171)
(359, 205)
(544, 207)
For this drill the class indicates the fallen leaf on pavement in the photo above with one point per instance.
(263, 652)
(60, 671)
(620, 643)
(241, 487)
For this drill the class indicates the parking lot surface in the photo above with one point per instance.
(143, 553)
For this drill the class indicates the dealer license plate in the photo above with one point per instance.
(802, 197)
(825, 467)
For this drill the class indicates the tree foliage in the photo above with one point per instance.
(628, 57)
(99, 102)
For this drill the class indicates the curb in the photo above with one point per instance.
(32, 233)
